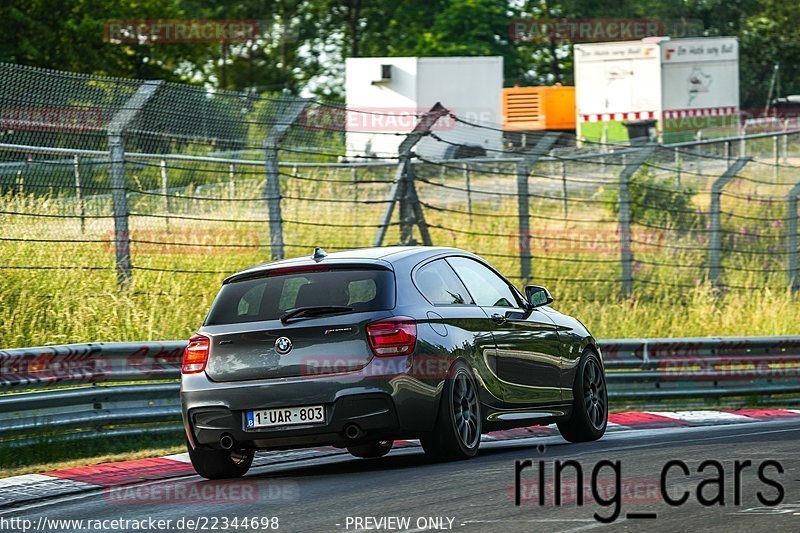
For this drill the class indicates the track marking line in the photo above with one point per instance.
(181, 457)
(702, 416)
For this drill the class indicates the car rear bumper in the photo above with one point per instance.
(381, 406)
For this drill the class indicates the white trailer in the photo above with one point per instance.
(385, 95)
(686, 85)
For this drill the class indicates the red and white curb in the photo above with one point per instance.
(29, 487)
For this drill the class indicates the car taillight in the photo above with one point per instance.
(195, 355)
(393, 336)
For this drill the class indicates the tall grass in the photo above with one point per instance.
(47, 298)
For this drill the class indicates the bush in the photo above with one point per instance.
(657, 203)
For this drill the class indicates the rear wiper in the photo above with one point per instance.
(316, 310)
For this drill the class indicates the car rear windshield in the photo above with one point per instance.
(267, 298)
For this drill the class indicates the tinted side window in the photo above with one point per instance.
(439, 284)
(488, 289)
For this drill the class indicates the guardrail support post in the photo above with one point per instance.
(403, 191)
(524, 168)
(119, 186)
(624, 201)
(791, 237)
(714, 242)
(272, 185)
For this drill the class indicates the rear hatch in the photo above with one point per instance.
(299, 321)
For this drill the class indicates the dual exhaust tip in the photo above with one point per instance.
(226, 442)
(351, 431)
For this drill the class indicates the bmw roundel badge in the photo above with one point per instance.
(283, 345)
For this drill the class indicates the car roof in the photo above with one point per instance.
(385, 256)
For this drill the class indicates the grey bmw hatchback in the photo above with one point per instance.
(356, 349)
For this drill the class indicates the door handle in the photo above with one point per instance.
(498, 318)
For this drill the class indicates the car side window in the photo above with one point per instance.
(486, 287)
(439, 284)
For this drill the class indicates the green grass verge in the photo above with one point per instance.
(44, 457)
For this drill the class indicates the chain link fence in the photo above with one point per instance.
(117, 192)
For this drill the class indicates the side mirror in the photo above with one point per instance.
(538, 296)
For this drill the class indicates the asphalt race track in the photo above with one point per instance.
(344, 494)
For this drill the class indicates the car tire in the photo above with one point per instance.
(220, 464)
(371, 450)
(589, 417)
(459, 422)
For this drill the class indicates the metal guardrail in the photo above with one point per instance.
(677, 372)
(74, 364)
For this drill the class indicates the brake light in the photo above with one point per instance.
(296, 269)
(195, 355)
(393, 336)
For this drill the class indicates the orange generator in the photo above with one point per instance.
(539, 108)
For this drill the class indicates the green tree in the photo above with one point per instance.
(768, 38)
(69, 35)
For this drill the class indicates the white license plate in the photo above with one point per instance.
(286, 416)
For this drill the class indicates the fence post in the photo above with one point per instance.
(785, 146)
(403, 191)
(603, 148)
(354, 180)
(624, 201)
(119, 186)
(165, 192)
(714, 242)
(791, 234)
(272, 186)
(405, 207)
(564, 192)
(469, 190)
(524, 168)
(79, 192)
(698, 167)
(776, 155)
(414, 210)
(397, 191)
(232, 186)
